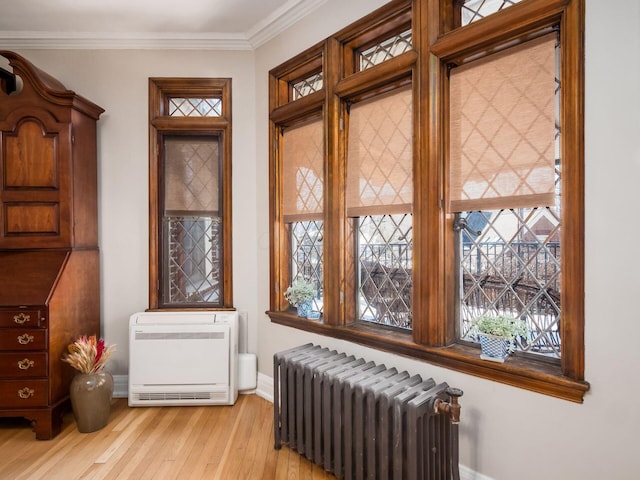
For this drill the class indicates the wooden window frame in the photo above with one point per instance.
(160, 124)
(437, 43)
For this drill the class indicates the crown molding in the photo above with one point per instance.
(280, 20)
(122, 41)
(262, 32)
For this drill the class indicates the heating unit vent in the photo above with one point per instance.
(362, 420)
(163, 397)
(178, 335)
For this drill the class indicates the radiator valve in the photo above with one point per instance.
(451, 408)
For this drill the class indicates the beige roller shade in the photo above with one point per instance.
(380, 155)
(303, 155)
(191, 175)
(502, 114)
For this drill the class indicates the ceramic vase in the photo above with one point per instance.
(91, 395)
(493, 347)
(304, 309)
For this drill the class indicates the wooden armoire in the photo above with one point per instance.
(49, 258)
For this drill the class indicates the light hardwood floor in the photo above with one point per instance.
(219, 443)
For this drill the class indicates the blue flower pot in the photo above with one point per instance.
(304, 309)
(494, 348)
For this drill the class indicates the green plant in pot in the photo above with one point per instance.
(300, 294)
(498, 334)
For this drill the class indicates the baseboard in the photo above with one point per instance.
(467, 474)
(265, 387)
(121, 386)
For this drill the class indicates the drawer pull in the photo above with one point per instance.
(26, 392)
(25, 364)
(21, 318)
(25, 339)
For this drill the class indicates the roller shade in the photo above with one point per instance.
(502, 129)
(191, 175)
(380, 155)
(303, 154)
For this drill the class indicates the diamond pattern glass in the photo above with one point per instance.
(383, 51)
(501, 139)
(194, 259)
(385, 263)
(513, 268)
(191, 173)
(474, 10)
(307, 86)
(191, 224)
(306, 256)
(510, 265)
(195, 107)
(380, 155)
(303, 156)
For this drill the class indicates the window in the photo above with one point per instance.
(190, 213)
(452, 168)
(303, 185)
(379, 196)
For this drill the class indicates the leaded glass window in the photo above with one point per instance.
(385, 265)
(303, 178)
(379, 196)
(510, 257)
(307, 86)
(383, 51)
(195, 107)
(474, 10)
(191, 220)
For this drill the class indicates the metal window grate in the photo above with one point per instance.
(385, 50)
(307, 86)
(195, 107)
(474, 10)
(193, 260)
(385, 264)
(306, 256)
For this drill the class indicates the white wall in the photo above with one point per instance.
(509, 433)
(506, 433)
(117, 80)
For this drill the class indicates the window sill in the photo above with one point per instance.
(538, 377)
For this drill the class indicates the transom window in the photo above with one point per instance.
(474, 10)
(385, 50)
(307, 86)
(195, 107)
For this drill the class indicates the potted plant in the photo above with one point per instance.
(300, 294)
(497, 335)
(91, 389)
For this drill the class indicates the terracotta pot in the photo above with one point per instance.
(91, 395)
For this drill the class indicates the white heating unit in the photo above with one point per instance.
(183, 358)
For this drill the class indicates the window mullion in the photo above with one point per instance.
(334, 221)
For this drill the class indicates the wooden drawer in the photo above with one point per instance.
(23, 339)
(23, 393)
(23, 317)
(23, 365)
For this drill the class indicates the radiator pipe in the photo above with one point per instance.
(451, 408)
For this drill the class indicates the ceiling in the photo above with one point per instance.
(217, 24)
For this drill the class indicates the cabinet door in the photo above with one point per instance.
(35, 190)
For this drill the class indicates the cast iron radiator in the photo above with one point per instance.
(361, 420)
